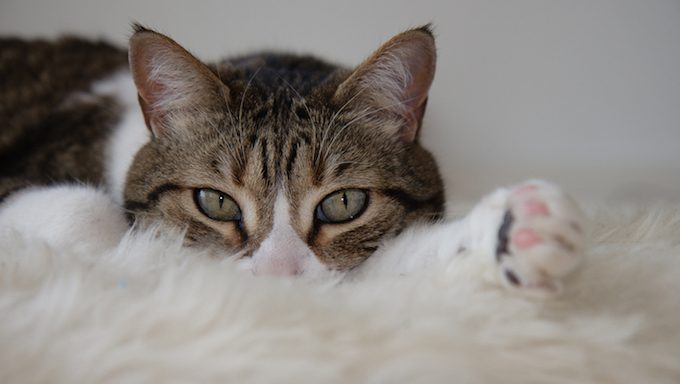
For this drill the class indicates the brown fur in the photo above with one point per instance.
(47, 136)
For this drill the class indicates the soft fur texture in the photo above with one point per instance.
(152, 311)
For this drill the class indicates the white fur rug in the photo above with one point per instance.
(150, 311)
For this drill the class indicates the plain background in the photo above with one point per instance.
(585, 93)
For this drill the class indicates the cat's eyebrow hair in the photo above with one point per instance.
(215, 166)
(341, 168)
(412, 203)
(318, 175)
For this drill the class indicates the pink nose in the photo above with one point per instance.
(279, 265)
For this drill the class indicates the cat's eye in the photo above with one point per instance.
(217, 205)
(342, 206)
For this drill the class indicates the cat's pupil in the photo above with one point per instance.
(342, 206)
(217, 205)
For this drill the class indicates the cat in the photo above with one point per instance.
(288, 163)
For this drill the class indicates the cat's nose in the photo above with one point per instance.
(279, 265)
(282, 253)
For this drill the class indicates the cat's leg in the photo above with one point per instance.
(533, 233)
(74, 217)
(531, 236)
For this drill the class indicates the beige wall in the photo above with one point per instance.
(586, 93)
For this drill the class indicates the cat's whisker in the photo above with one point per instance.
(241, 134)
(219, 76)
(367, 113)
(342, 108)
(243, 98)
(332, 120)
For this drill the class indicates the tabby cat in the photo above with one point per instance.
(291, 164)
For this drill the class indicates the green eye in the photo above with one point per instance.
(342, 206)
(217, 205)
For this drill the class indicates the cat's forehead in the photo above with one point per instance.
(271, 71)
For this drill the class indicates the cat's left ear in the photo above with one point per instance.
(173, 85)
(395, 80)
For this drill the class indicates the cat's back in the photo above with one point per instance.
(40, 116)
(35, 75)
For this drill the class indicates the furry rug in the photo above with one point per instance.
(151, 311)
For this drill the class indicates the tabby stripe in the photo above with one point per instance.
(412, 203)
(291, 159)
(311, 237)
(265, 159)
(201, 228)
(319, 167)
(237, 173)
(340, 169)
(215, 165)
(151, 198)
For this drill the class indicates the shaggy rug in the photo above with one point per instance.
(152, 311)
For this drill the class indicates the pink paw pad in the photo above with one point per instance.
(525, 189)
(524, 238)
(534, 207)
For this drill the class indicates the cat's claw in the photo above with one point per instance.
(540, 239)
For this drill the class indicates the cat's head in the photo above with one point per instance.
(291, 163)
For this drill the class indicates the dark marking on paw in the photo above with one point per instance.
(461, 249)
(512, 278)
(564, 243)
(503, 236)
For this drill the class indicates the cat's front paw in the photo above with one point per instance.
(540, 239)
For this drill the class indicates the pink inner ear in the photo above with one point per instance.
(414, 120)
(170, 80)
(143, 49)
(419, 58)
(144, 46)
(396, 79)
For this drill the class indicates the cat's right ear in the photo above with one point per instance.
(395, 81)
(171, 83)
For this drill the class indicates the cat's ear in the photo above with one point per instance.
(395, 80)
(171, 82)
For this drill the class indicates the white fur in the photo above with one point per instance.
(130, 134)
(72, 217)
(149, 310)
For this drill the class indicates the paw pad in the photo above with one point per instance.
(540, 238)
(525, 238)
